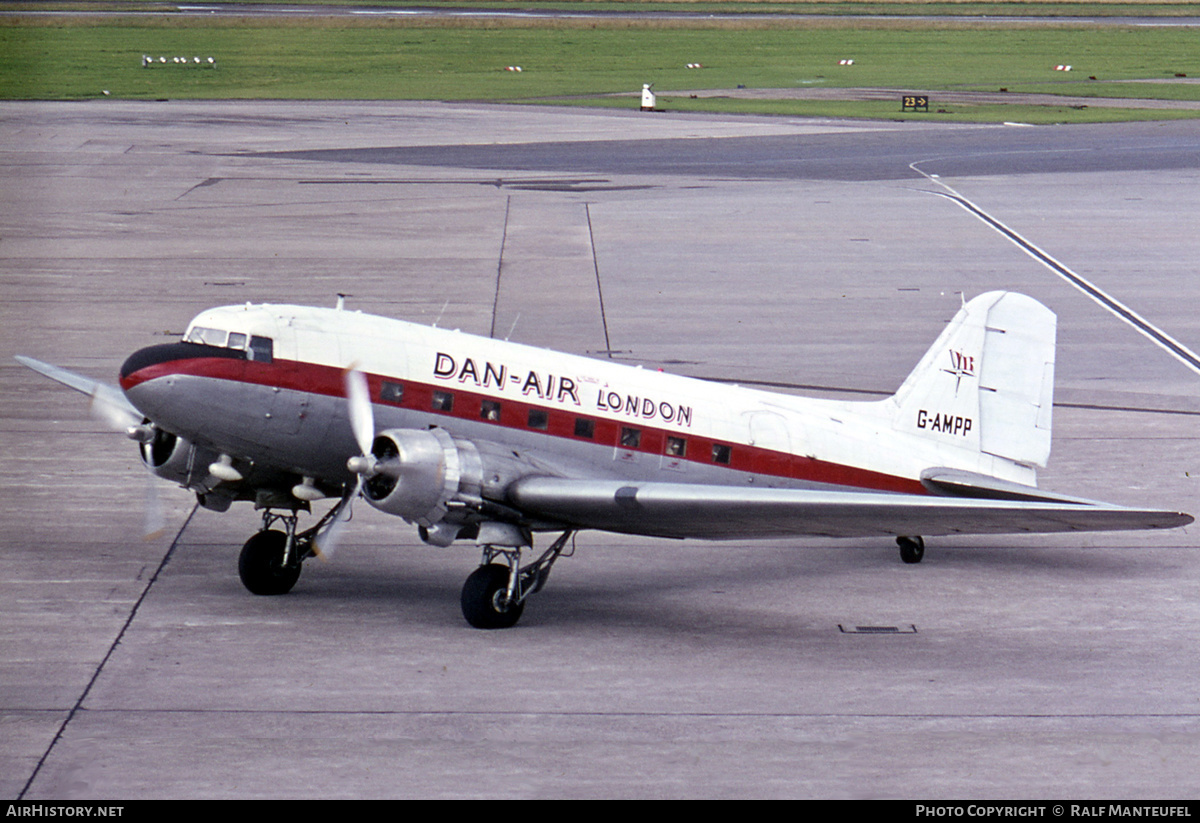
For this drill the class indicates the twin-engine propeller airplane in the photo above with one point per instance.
(492, 441)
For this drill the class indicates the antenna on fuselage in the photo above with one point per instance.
(513, 327)
(443, 311)
(341, 301)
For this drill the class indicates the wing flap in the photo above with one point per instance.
(727, 512)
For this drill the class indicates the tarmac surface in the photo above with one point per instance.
(812, 255)
(947, 98)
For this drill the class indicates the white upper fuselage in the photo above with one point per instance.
(581, 415)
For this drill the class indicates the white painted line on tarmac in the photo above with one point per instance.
(1159, 337)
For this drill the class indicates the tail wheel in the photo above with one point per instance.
(485, 599)
(261, 567)
(912, 549)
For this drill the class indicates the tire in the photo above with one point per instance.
(912, 549)
(261, 568)
(481, 595)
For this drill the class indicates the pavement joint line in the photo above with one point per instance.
(78, 707)
(587, 209)
(664, 714)
(500, 265)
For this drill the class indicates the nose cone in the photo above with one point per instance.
(164, 381)
(150, 362)
(141, 368)
(149, 376)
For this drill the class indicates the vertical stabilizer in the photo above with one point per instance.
(987, 384)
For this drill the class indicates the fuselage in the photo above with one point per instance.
(266, 384)
(474, 439)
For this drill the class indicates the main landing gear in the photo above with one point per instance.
(494, 595)
(912, 549)
(270, 560)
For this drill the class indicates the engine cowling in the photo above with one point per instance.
(179, 460)
(436, 480)
(419, 473)
(173, 458)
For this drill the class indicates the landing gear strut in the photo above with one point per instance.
(912, 549)
(494, 595)
(270, 560)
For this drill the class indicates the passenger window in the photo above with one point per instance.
(489, 410)
(630, 438)
(721, 454)
(539, 419)
(585, 427)
(443, 401)
(262, 349)
(391, 392)
(676, 447)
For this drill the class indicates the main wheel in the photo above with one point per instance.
(912, 549)
(260, 564)
(483, 599)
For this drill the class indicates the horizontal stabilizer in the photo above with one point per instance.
(725, 513)
(958, 483)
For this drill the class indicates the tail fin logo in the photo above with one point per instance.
(961, 365)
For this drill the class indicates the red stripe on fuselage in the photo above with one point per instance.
(328, 381)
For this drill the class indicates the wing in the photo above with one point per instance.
(728, 512)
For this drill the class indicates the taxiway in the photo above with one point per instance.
(805, 254)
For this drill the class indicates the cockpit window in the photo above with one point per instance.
(206, 337)
(220, 338)
(262, 349)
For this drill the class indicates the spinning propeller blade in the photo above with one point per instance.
(362, 417)
(111, 408)
(154, 524)
(362, 423)
(327, 540)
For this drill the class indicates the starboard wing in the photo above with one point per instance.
(725, 512)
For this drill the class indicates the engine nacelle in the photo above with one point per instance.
(178, 460)
(435, 480)
(420, 472)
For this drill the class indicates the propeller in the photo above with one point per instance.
(362, 423)
(154, 522)
(110, 406)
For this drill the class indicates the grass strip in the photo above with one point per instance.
(322, 59)
(954, 8)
